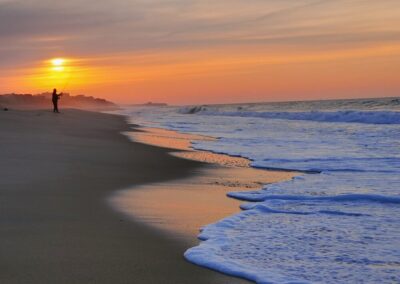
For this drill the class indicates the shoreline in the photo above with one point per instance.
(182, 207)
(56, 227)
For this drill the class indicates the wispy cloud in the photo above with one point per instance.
(121, 25)
(129, 31)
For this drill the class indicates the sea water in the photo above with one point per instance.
(337, 222)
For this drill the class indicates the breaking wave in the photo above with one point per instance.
(347, 116)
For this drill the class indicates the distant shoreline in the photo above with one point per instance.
(41, 101)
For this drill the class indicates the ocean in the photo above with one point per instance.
(338, 221)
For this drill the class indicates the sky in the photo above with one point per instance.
(202, 51)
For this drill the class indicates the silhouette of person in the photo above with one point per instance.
(55, 97)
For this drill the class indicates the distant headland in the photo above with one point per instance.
(43, 100)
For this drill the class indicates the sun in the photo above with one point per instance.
(57, 64)
(58, 72)
(57, 61)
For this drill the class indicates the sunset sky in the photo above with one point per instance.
(202, 51)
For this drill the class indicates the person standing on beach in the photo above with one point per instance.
(55, 97)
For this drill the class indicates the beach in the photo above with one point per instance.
(57, 172)
(182, 207)
(164, 195)
(215, 142)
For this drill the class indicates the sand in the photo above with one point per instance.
(182, 207)
(56, 226)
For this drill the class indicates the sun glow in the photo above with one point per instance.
(57, 61)
(58, 64)
(55, 73)
(66, 74)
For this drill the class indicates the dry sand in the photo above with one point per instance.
(55, 223)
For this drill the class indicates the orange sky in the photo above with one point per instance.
(187, 51)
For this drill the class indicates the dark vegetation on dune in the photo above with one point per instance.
(44, 101)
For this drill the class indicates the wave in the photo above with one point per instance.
(342, 223)
(257, 196)
(302, 242)
(266, 209)
(344, 116)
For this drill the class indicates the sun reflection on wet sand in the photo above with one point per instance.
(181, 207)
(180, 141)
(166, 138)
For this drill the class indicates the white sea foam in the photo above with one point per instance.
(339, 222)
(294, 242)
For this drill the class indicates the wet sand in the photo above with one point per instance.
(56, 225)
(182, 207)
